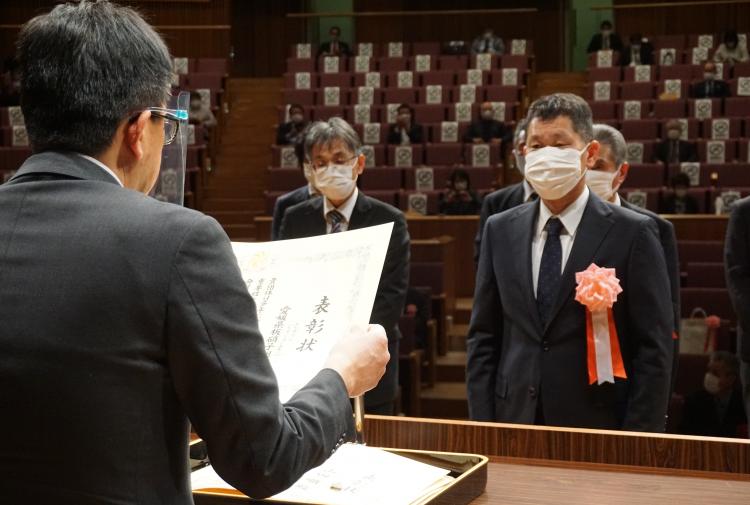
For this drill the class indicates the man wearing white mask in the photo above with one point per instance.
(536, 355)
(604, 179)
(296, 196)
(509, 196)
(332, 149)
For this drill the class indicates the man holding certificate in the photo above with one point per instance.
(125, 318)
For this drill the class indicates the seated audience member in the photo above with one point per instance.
(712, 86)
(488, 43)
(418, 307)
(200, 114)
(731, 51)
(10, 84)
(487, 129)
(605, 39)
(292, 131)
(717, 410)
(458, 198)
(405, 131)
(673, 150)
(679, 202)
(334, 46)
(639, 52)
(299, 195)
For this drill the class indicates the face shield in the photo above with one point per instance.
(170, 184)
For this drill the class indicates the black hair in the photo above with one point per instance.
(460, 173)
(405, 106)
(568, 105)
(85, 68)
(605, 24)
(731, 37)
(296, 106)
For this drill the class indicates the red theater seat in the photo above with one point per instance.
(640, 129)
(381, 179)
(445, 78)
(646, 175)
(706, 275)
(444, 153)
(455, 63)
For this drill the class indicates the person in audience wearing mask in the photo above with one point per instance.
(405, 131)
(717, 410)
(639, 52)
(605, 39)
(509, 196)
(605, 178)
(673, 150)
(711, 86)
(333, 149)
(487, 129)
(679, 201)
(488, 43)
(458, 198)
(531, 356)
(731, 51)
(293, 130)
(737, 272)
(299, 195)
(200, 113)
(334, 46)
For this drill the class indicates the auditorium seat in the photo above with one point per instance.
(694, 111)
(495, 61)
(432, 48)
(603, 110)
(360, 79)
(417, 156)
(205, 81)
(300, 65)
(628, 73)
(341, 79)
(670, 109)
(381, 179)
(382, 138)
(11, 158)
(445, 78)
(640, 129)
(393, 64)
(711, 251)
(645, 175)
(455, 63)
(729, 175)
(285, 179)
(495, 93)
(648, 149)
(699, 193)
(359, 49)
(705, 275)
(399, 95)
(709, 132)
(669, 41)
(385, 48)
(378, 152)
(737, 107)
(445, 94)
(741, 69)
(435, 132)
(591, 87)
(375, 114)
(683, 72)
(388, 196)
(715, 301)
(519, 61)
(470, 160)
(612, 74)
(463, 77)
(743, 153)
(304, 97)
(432, 209)
(326, 112)
(444, 153)
(693, 125)
(652, 197)
(429, 113)
(637, 91)
(730, 150)
(477, 96)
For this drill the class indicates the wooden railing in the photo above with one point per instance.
(380, 14)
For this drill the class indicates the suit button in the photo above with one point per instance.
(545, 345)
(532, 391)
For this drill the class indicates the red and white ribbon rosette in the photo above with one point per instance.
(597, 289)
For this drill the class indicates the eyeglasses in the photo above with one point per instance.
(172, 119)
(320, 165)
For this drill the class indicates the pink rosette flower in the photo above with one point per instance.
(597, 288)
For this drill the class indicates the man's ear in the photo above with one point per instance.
(134, 132)
(592, 154)
(360, 167)
(622, 175)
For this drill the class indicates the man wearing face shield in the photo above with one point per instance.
(124, 318)
(333, 150)
(528, 354)
(509, 196)
(299, 195)
(604, 179)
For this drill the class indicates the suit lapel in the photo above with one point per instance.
(595, 224)
(524, 233)
(316, 221)
(360, 213)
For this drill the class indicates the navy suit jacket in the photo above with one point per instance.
(495, 203)
(512, 359)
(285, 201)
(737, 268)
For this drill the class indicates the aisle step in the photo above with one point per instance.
(447, 400)
(451, 367)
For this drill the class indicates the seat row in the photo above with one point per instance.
(405, 79)
(663, 56)
(652, 198)
(657, 175)
(400, 48)
(708, 129)
(611, 90)
(216, 66)
(646, 73)
(419, 63)
(734, 107)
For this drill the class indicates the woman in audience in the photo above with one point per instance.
(291, 131)
(731, 51)
(679, 202)
(459, 198)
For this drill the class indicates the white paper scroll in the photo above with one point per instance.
(288, 158)
(371, 133)
(365, 95)
(392, 112)
(434, 94)
(20, 137)
(423, 63)
(700, 54)
(302, 80)
(706, 41)
(602, 90)
(480, 155)
(703, 108)
(403, 156)
(638, 198)
(483, 61)
(449, 131)
(518, 46)
(693, 171)
(720, 129)
(331, 96)
(364, 49)
(395, 49)
(304, 51)
(372, 79)
(498, 111)
(668, 56)
(463, 112)
(362, 114)
(424, 179)
(604, 58)
(743, 86)
(510, 77)
(716, 151)
(642, 73)
(15, 116)
(474, 77)
(673, 87)
(180, 66)
(362, 64)
(417, 203)
(405, 79)
(369, 152)
(634, 153)
(467, 93)
(631, 109)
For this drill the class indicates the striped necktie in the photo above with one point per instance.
(336, 220)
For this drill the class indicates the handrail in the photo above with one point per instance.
(372, 14)
(700, 3)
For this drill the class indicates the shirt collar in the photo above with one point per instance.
(102, 166)
(345, 209)
(617, 201)
(311, 190)
(527, 191)
(570, 217)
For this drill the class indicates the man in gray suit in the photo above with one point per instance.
(527, 344)
(125, 318)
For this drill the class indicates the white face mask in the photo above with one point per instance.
(600, 183)
(711, 383)
(335, 182)
(309, 173)
(553, 172)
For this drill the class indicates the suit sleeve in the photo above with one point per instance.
(391, 296)
(484, 338)
(278, 215)
(286, 228)
(671, 257)
(484, 214)
(650, 318)
(224, 380)
(394, 137)
(737, 266)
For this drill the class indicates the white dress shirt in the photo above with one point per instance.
(571, 218)
(102, 166)
(617, 201)
(527, 191)
(345, 210)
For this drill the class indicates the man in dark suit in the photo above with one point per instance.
(639, 52)
(604, 179)
(737, 268)
(293, 130)
(487, 129)
(405, 131)
(335, 46)
(712, 86)
(333, 149)
(509, 196)
(672, 150)
(299, 195)
(528, 360)
(605, 39)
(140, 322)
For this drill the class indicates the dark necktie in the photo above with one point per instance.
(675, 155)
(336, 219)
(550, 268)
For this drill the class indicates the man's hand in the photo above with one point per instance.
(360, 358)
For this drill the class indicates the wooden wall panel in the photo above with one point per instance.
(681, 19)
